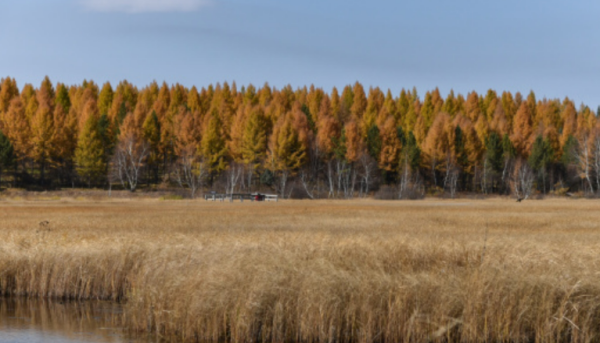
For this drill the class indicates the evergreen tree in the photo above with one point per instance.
(105, 99)
(401, 135)
(374, 142)
(374, 103)
(151, 134)
(488, 105)
(288, 145)
(450, 105)
(267, 178)
(346, 102)
(213, 147)
(62, 98)
(89, 155)
(509, 106)
(119, 118)
(495, 152)
(7, 154)
(194, 103)
(42, 127)
(105, 134)
(314, 98)
(539, 159)
(254, 139)
(427, 111)
(459, 147)
(340, 148)
(568, 153)
(390, 105)
(410, 118)
(403, 103)
(309, 117)
(541, 154)
(508, 150)
(412, 151)
(64, 139)
(532, 104)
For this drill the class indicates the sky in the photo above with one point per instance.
(551, 47)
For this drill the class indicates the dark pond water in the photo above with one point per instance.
(36, 321)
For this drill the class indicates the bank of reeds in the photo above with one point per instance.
(319, 272)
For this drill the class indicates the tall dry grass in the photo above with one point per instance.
(360, 271)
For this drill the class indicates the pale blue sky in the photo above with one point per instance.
(550, 46)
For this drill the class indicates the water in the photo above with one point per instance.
(36, 321)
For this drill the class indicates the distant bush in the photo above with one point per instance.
(560, 191)
(386, 193)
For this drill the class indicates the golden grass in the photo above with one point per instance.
(318, 271)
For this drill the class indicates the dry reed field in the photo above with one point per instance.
(317, 271)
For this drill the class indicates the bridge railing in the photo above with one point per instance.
(271, 197)
(240, 196)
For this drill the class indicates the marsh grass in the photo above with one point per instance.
(322, 271)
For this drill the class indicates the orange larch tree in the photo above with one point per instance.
(522, 130)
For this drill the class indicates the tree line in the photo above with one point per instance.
(299, 142)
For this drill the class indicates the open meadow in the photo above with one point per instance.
(317, 271)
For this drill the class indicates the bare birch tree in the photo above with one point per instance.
(331, 178)
(452, 181)
(190, 171)
(309, 175)
(405, 176)
(507, 172)
(281, 185)
(367, 170)
(306, 183)
(596, 159)
(128, 161)
(522, 180)
(234, 175)
(583, 155)
(346, 177)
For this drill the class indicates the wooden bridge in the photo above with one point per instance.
(241, 196)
